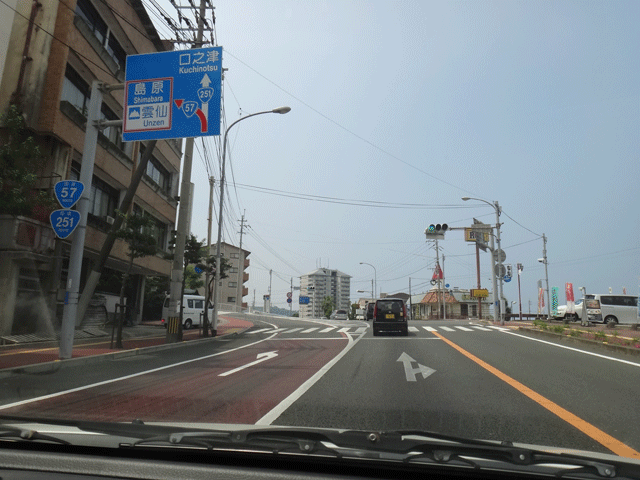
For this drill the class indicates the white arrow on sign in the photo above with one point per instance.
(410, 372)
(205, 82)
(261, 357)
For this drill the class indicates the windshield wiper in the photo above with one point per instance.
(20, 434)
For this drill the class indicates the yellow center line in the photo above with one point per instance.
(616, 446)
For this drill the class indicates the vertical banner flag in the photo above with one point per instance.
(540, 299)
(571, 301)
(554, 301)
(437, 273)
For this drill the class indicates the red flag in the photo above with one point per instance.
(437, 273)
(568, 290)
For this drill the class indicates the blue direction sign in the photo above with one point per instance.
(64, 222)
(303, 300)
(288, 300)
(507, 278)
(172, 94)
(68, 192)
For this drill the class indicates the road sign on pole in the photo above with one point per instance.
(68, 192)
(172, 94)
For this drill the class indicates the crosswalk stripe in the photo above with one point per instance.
(258, 331)
(327, 330)
(464, 329)
(447, 329)
(413, 329)
(309, 330)
(430, 329)
(345, 330)
(361, 329)
(482, 328)
(293, 330)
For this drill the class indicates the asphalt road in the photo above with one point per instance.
(453, 377)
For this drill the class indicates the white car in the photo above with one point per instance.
(339, 315)
(562, 312)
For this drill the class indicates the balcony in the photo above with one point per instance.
(245, 277)
(246, 262)
(26, 234)
(245, 291)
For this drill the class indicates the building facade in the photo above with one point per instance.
(449, 304)
(323, 283)
(231, 290)
(51, 52)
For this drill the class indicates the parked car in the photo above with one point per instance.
(192, 313)
(390, 315)
(339, 315)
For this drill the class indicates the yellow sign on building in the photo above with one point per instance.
(471, 234)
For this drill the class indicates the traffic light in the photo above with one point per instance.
(435, 231)
(509, 271)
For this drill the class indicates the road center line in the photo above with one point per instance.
(126, 377)
(616, 446)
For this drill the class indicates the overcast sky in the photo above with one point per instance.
(409, 106)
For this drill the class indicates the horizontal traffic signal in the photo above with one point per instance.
(436, 230)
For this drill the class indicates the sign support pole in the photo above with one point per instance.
(69, 315)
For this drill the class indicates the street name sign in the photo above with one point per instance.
(172, 94)
(479, 292)
(304, 300)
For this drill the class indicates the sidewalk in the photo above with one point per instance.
(147, 334)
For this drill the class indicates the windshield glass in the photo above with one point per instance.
(205, 242)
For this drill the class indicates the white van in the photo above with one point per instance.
(621, 309)
(192, 314)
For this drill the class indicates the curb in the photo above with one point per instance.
(570, 339)
(103, 357)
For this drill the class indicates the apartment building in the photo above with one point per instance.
(231, 290)
(50, 53)
(323, 283)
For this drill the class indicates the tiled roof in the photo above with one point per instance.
(431, 297)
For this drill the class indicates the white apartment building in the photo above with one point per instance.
(323, 283)
(231, 289)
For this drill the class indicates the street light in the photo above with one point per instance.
(280, 110)
(496, 206)
(375, 277)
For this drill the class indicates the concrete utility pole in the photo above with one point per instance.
(184, 228)
(240, 267)
(546, 273)
(207, 275)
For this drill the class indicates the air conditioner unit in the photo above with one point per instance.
(110, 220)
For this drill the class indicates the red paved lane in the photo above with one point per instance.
(195, 391)
(12, 356)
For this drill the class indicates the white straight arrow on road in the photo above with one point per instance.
(410, 372)
(261, 357)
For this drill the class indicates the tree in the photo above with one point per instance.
(192, 279)
(135, 232)
(20, 159)
(327, 306)
(352, 312)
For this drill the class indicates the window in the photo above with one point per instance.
(231, 299)
(86, 10)
(116, 51)
(198, 304)
(114, 134)
(233, 284)
(103, 198)
(234, 255)
(157, 173)
(158, 229)
(75, 90)
(233, 270)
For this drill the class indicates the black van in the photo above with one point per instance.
(390, 315)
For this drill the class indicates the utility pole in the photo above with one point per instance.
(183, 229)
(207, 276)
(546, 273)
(444, 295)
(240, 268)
(410, 303)
(291, 298)
(438, 277)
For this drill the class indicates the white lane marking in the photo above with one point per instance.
(482, 328)
(344, 330)
(309, 330)
(633, 364)
(361, 330)
(447, 329)
(275, 412)
(464, 329)
(306, 339)
(413, 329)
(409, 372)
(293, 330)
(327, 330)
(258, 331)
(430, 329)
(261, 357)
(126, 377)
